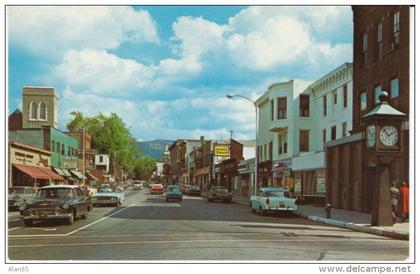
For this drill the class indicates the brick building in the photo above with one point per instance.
(381, 63)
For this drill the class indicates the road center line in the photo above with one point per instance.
(98, 221)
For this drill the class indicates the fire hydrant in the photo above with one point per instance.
(328, 211)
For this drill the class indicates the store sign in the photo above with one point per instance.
(221, 151)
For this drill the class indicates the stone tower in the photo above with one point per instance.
(40, 107)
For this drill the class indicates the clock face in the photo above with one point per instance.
(371, 136)
(388, 135)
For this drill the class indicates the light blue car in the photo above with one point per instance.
(107, 196)
(273, 199)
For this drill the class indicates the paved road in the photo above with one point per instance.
(147, 227)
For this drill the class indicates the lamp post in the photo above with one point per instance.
(256, 136)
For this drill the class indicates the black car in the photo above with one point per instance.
(56, 202)
(193, 190)
(219, 193)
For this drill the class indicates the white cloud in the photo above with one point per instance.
(102, 72)
(53, 30)
(265, 38)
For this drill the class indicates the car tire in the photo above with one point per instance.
(28, 222)
(89, 208)
(84, 216)
(252, 209)
(70, 220)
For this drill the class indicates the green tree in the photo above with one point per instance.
(110, 135)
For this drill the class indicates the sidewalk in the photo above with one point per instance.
(354, 220)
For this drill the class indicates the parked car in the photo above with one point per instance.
(173, 192)
(220, 193)
(277, 199)
(108, 196)
(193, 190)
(156, 189)
(56, 202)
(18, 195)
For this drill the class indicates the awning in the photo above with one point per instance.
(34, 172)
(77, 174)
(51, 174)
(66, 172)
(59, 171)
(91, 177)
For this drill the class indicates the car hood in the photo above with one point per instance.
(107, 194)
(48, 202)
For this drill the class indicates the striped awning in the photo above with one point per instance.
(77, 174)
(66, 172)
(59, 171)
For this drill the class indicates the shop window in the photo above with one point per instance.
(62, 149)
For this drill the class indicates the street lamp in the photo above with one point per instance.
(256, 136)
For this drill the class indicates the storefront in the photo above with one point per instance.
(30, 166)
(282, 174)
(265, 178)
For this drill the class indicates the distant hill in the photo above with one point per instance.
(153, 148)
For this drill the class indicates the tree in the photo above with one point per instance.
(144, 168)
(110, 135)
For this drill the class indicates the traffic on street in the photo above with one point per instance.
(146, 227)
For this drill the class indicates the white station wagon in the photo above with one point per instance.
(273, 199)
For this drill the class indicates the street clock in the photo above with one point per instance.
(383, 128)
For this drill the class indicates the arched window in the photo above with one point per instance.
(33, 111)
(42, 111)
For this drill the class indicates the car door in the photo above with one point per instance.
(258, 199)
(80, 202)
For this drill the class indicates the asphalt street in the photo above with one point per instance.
(146, 227)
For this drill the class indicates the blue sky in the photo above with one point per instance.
(166, 69)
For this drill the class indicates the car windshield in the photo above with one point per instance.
(173, 189)
(17, 190)
(274, 194)
(54, 193)
(221, 190)
(195, 187)
(105, 190)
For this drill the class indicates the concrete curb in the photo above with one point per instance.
(366, 229)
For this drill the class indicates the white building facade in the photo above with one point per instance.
(331, 119)
(296, 118)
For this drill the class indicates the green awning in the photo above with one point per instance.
(77, 174)
(59, 171)
(66, 172)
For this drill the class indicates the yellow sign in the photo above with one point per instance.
(221, 151)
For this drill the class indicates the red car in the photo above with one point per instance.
(156, 189)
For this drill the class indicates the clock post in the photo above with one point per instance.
(382, 132)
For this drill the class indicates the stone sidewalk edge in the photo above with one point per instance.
(371, 230)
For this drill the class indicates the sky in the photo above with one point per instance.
(165, 70)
